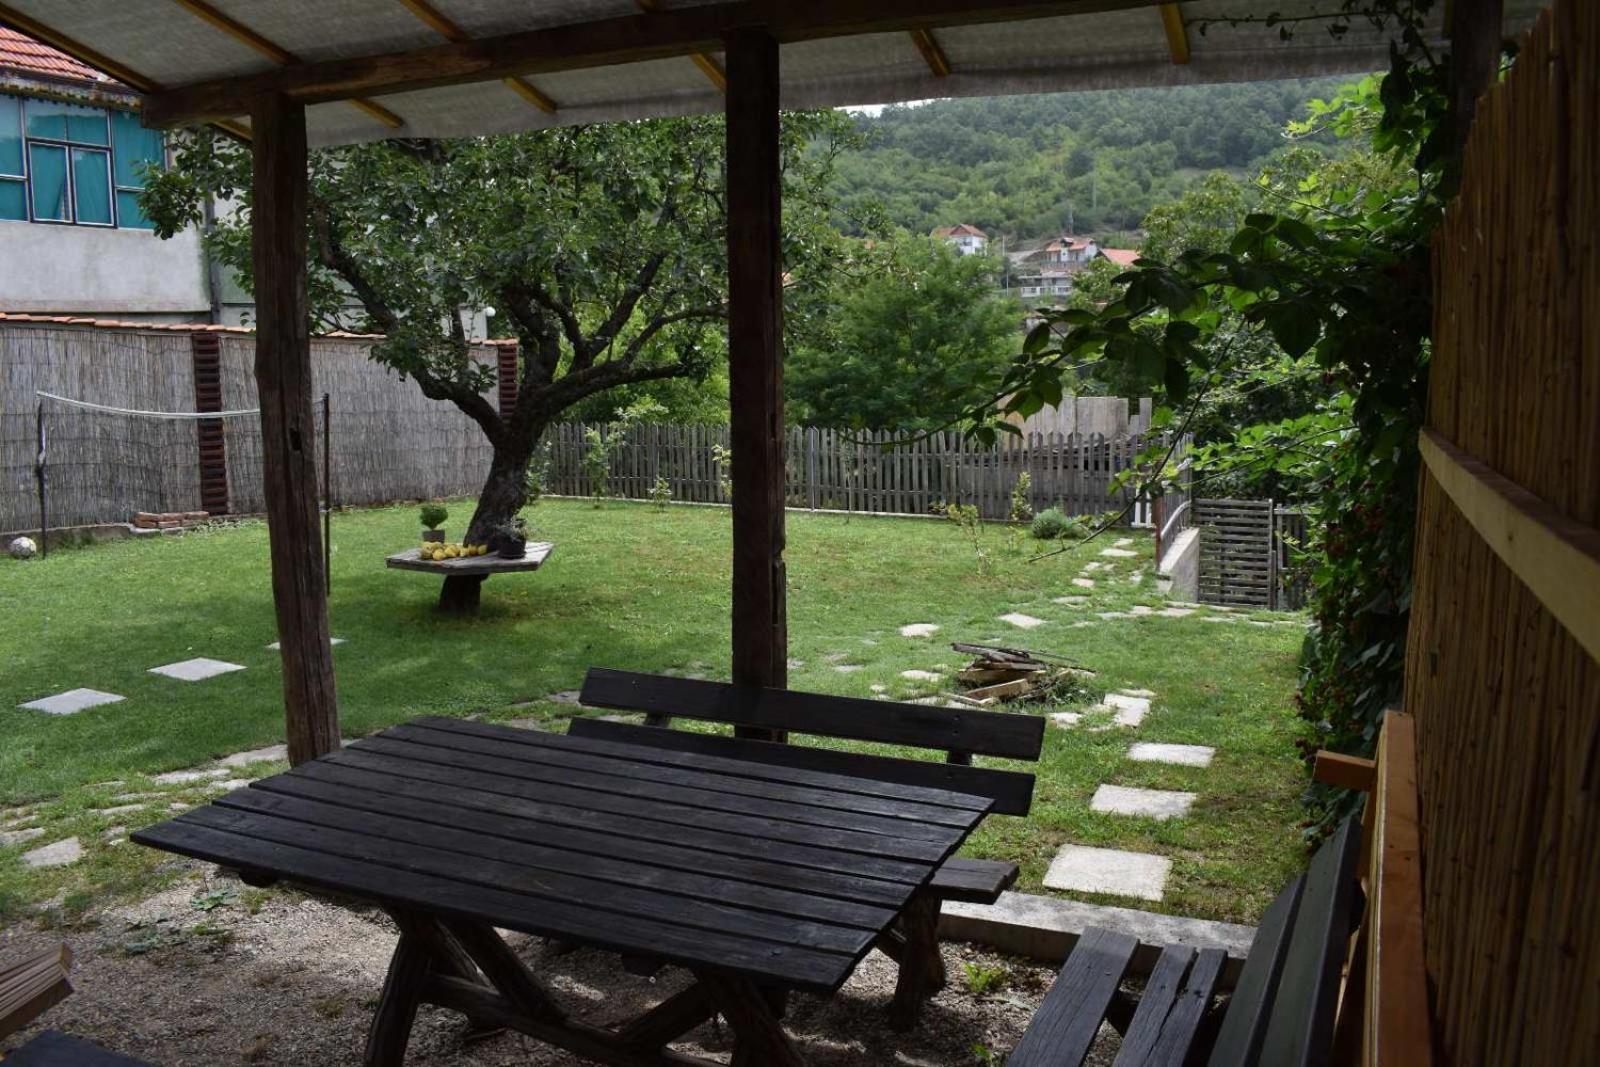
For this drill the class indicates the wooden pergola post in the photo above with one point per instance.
(755, 359)
(288, 462)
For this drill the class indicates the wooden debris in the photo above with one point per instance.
(1001, 674)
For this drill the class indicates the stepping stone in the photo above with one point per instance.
(72, 701)
(1119, 553)
(1146, 693)
(1071, 601)
(1122, 542)
(255, 755)
(55, 854)
(124, 798)
(1081, 625)
(836, 657)
(1130, 710)
(187, 777)
(1185, 755)
(196, 670)
(1108, 870)
(16, 837)
(922, 676)
(1149, 803)
(1066, 719)
(879, 688)
(120, 809)
(919, 629)
(1113, 614)
(231, 784)
(1175, 613)
(564, 696)
(1183, 604)
(1021, 621)
(1094, 565)
(332, 641)
(793, 665)
(1140, 609)
(847, 668)
(1218, 618)
(1083, 583)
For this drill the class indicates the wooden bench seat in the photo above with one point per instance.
(55, 1049)
(1334, 973)
(775, 714)
(28, 989)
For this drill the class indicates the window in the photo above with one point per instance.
(67, 163)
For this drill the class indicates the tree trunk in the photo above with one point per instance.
(504, 493)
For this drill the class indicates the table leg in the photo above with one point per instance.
(461, 594)
(921, 965)
(758, 1039)
(397, 1005)
(505, 970)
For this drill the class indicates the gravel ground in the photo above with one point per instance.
(283, 979)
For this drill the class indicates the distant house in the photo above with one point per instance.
(967, 239)
(72, 161)
(1122, 257)
(1046, 271)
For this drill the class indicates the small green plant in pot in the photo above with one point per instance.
(511, 539)
(433, 517)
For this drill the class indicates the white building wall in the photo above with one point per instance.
(110, 273)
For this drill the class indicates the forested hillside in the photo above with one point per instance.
(1031, 166)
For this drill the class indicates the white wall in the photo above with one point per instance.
(106, 272)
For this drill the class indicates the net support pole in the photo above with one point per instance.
(288, 425)
(38, 472)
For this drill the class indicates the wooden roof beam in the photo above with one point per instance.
(666, 34)
(83, 53)
(445, 27)
(932, 53)
(1177, 33)
(281, 56)
(704, 60)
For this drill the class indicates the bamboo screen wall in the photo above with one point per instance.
(1502, 674)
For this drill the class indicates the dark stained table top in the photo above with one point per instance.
(778, 874)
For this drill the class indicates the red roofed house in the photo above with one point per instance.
(1122, 257)
(968, 239)
(72, 239)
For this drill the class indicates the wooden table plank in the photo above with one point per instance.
(928, 851)
(566, 757)
(588, 865)
(437, 811)
(683, 792)
(801, 967)
(906, 873)
(841, 783)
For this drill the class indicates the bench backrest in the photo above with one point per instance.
(1284, 1006)
(958, 733)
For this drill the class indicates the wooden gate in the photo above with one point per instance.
(1237, 561)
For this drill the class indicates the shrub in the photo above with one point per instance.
(1050, 524)
(433, 516)
(1022, 498)
(661, 493)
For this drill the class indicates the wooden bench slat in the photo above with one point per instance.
(1066, 1024)
(1183, 1021)
(1245, 1024)
(980, 732)
(1160, 993)
(32, 986)
(1011, 791)
(1300, 1030)
(55, 1049)
(973, 881)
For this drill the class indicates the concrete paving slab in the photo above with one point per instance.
(1130, 710)
(12, 838)
(1140, 609)
(120, 809)
(1122, 542)
(72, 701)
(1148, 694)
(1119, 553)
(1071, 601)
(255, 755)
(922, 676)
(188, 776)
(1175, 613)
(1108, 870)
(1144, 803)
(1083, 583)
(196, 670)
(1047, 928)
(1066, 719)
(1021, 621)
(1183, 755)
(847, 668)
(919, 629)
(56, 854)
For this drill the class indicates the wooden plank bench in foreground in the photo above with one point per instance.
(959, 733)
(29, 989)
(1326, 980)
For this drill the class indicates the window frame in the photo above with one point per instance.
(73, 149)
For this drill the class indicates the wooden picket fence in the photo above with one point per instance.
(880, 472)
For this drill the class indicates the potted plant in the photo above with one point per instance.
(433, 516)
(511, 539)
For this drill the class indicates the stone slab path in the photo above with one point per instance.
(1021, 621)
(1108, 870)
(56, 854)
(197, 669)
(72, 701)
(1145, 803)
(1183, 755)
(919, 629)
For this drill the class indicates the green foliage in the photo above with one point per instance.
(661, 493)
(722, 457)
(1330, 264)
(1050, 524)
(538, 477)
(1034, 166)
(433, 516)
(598, 450)
(1022, 498)
(911, 321)
(966, 517)
(985, 980)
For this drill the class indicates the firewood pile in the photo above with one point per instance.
(999, 675)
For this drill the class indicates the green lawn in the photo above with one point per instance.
(629, 587)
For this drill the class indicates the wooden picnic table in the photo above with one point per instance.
(758, 878)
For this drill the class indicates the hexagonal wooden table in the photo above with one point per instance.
(464, 577)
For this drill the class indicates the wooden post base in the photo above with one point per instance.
(467, 967)
(922, 971)
(461, 594)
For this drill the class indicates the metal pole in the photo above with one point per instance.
(38, 470)
(327, 497)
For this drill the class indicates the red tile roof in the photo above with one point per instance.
(1122, 257)
(964, 229)
(22, 53)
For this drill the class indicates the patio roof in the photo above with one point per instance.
(443, 68)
